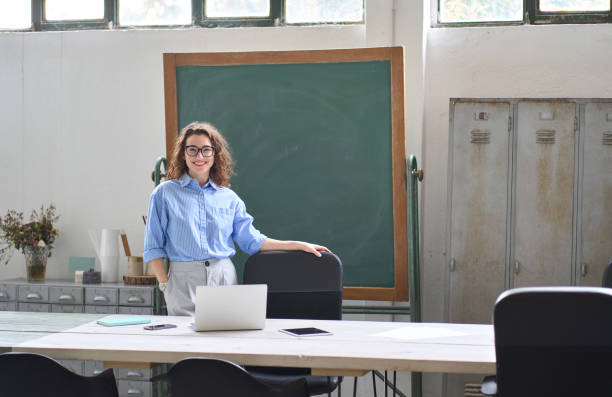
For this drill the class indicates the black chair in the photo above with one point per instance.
(301, 286)
(552, 341)
(34, 375)
(193, 377)
(607, 276)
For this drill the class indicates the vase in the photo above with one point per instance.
(36, 262)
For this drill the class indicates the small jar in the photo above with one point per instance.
(135, 266)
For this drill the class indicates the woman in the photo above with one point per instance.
(194, 219)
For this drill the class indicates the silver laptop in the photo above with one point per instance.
(230, 307)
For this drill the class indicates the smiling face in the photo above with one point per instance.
(199, 166)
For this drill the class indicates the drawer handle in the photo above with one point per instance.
(134, 392)
(133, 374)
(100, 298)
(135, 299)
(98, 371)
(66, 297)
(33, 295)
(3, 295)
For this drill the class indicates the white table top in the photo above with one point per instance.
(354, 345)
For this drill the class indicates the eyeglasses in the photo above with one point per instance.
(192, 151)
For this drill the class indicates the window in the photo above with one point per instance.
(154, 12)
(15, 14)
(469, 12)
(107, 14)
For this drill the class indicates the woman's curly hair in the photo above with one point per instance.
(223, 167)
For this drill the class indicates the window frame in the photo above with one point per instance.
(531, 15)
(537, 17)
(198, 19)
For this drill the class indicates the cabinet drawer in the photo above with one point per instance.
(55, 308)
(75, 366)
(33, 293)
(66, 295)
(8, 306)
(93, 368)
(133, 374)
(136, 296)
(128, 388)
(135, 310)
(33, 307)
(101, 296)
(101, 309)
(8, 293)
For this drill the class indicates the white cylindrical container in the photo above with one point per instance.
(109, 266)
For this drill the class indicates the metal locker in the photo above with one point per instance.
(544, 193)
(479, 162)
(595, 235)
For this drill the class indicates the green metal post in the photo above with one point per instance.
(157, 177)
(414, 175)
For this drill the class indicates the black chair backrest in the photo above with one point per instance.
(607, 276)
(554, 341)
(33, 375)
(300, 284)
(193, 377)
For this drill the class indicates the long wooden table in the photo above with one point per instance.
(354, 348)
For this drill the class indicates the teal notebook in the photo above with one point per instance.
(130, 320)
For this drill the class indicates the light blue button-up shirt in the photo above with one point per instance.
(187, 222)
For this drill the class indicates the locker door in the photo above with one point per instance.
(479, 198)
(596, 226)
(544, 193)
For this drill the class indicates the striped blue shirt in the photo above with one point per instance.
(187, 222)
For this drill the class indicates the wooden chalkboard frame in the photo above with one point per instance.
(395, 55)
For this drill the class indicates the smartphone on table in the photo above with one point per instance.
(308, 331)
(159, 326)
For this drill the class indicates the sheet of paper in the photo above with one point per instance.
(408, 333)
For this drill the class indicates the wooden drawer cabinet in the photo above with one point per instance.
(35, 293)
(61, 296)
(8, 293)
(135, 297)
(66, 295)
(101, 296)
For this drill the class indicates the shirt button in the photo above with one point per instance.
(206, 263)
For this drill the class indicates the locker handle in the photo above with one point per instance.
(517, 267)
(134, 392)
(452, 264)
(3, 295)
(583, 269)
(98, 371)
(66, 297)
(133, 374)
(100, 298)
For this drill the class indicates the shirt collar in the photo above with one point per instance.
(185, 180)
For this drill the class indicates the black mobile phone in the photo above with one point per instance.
(159, 326)
(309, 331)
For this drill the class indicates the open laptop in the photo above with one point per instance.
(230, 307)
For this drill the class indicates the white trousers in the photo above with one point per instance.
(184, 277)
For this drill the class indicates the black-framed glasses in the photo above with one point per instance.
(192, 151)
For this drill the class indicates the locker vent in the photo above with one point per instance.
(472, 390)
(478, 136)
(481, 116)
(545, 136)
(607, 138)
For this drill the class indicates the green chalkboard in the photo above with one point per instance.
(313, 147)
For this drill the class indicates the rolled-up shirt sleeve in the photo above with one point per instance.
(248, 238)
(155, 229)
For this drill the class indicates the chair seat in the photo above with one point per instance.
(314, 384)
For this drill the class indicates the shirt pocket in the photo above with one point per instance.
(220, 224)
